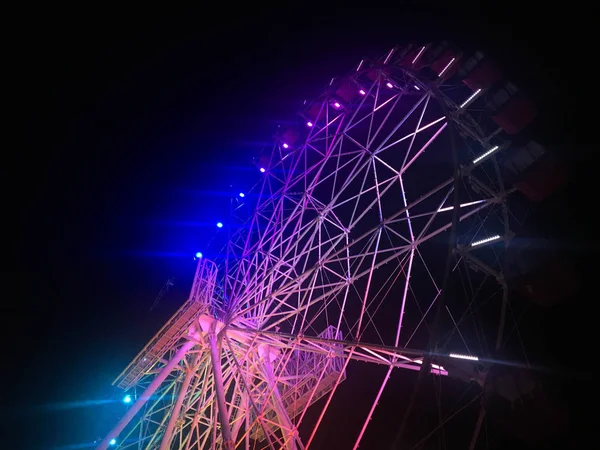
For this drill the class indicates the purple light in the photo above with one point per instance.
(337, 105)
(285, 145)
(262, 169)
(362, 92)
(309, 124)
(390, 85)
(417, 88)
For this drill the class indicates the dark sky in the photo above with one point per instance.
(132, 125)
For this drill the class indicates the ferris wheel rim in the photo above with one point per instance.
(292, 342)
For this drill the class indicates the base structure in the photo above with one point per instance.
(275, 385)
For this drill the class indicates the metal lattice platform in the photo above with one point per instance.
(175, 328)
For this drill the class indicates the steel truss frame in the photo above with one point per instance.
(305, 277)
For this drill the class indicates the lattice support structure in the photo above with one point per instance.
(308, 377)
(340, 257)
(176, 326)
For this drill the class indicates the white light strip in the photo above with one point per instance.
(486, 240)
(470, 99)
(435, 366)
(418, 55)
(360, 65)
(446, 68)
(488, 153)
(459, 356)
(449, 208)
(389, 55)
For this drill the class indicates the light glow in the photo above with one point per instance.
(459, 356)
(389, 55)
(446, 68)
(262, 169)
(470, 99)
(435, 366)
(486, 240)
(486, 154)
(127, 398)
(198, 255)
(219, 225)
(462, 205)
(285, 145)
(113, 441)
(362, 92)
(390, 85)
(417, 87)
(337, 105)
(418, 55)
(309, 124)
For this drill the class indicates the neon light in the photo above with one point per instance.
(389, 55)
(418, 55)
(462, 205)
(473, 95)
(446, 68)
(435, 366)
(459, 356)
(485, 241)
(488, 153)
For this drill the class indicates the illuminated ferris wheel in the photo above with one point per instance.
(379, 220)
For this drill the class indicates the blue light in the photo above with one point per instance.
(262, 169)
(127, 399)
(242, 194)
(199, 255)
(112, 442)
(219, 225)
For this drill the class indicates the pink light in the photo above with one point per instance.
(309, 124)
(446, 68)
(262, 169)
(362, 92)
(390, 85)
(285, 145)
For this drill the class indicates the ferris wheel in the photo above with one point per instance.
(378, 224)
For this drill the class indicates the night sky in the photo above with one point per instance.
(132, 126)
